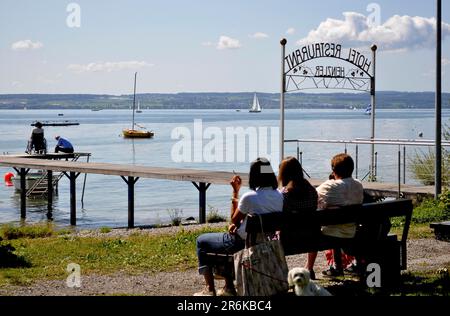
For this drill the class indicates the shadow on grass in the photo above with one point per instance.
(434, 283)
(8, 259)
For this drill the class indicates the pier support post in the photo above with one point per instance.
(130, 182)
(49, 191)
(23, 191)
(202, 187)
(73, 201)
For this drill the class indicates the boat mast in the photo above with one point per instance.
(134, 98)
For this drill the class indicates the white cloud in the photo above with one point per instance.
(290, 31)
(226, 42)
(26, 45)
(259, 35)
(108, 66)
(397, 33)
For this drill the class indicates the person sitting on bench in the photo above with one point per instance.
(37, 140)
(300, 197)
(63, 145)
(340, 190)
(263, 198)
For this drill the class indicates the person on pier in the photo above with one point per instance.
(37, 140)
(63, 145)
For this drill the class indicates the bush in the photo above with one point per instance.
(430, 210)
(105, 230)
(9, 232)
(175, 215)
(214, 216)
(422, 164)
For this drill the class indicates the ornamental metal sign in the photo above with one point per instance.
(328, 66)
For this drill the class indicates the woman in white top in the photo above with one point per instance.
(263, 198)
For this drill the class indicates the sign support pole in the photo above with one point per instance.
(282, 91)
(373, 108)
(438, 106)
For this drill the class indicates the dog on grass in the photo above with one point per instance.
(300, 280)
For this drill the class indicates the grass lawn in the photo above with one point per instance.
(43, 253)
(47, 257)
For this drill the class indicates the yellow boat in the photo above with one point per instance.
(133, 133)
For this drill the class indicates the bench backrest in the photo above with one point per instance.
(370, 214)
(365, 213)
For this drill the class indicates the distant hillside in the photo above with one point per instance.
(385, 99)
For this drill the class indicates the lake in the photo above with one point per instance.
(99, 132)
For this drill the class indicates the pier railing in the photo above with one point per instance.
(391, 160)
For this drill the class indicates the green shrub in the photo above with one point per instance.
(175, 215)
(105, 230)
(214, 216)
(422, 164)
(430, 210)
(29, 231)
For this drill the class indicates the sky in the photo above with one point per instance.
(95, 46)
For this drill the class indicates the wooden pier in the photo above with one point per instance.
(201, 179)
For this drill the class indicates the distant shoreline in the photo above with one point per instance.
(237, 100)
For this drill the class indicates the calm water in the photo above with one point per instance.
(105, 201)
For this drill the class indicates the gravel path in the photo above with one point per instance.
(423, 254)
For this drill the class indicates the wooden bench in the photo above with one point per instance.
(371, 242)
(441, 230)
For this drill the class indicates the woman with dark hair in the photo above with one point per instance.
(299, 197)
(263, 198)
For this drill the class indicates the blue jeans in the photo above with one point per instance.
(223, 243)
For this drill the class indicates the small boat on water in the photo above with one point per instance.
(56, 123)
(256, 107)
(133, 132)
(35, 182)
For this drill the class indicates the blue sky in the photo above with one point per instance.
(205, 46)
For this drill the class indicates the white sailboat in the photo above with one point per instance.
(256, 108)
(138, 108)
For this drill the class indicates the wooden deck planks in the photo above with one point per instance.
(177, 174)
(195, 175)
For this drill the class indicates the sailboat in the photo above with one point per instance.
(133, 132)
(139, 108)
(255, 107)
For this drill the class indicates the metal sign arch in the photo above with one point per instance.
(359, 78)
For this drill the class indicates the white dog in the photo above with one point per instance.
(299, 278)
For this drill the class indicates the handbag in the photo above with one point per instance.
(261, 270)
